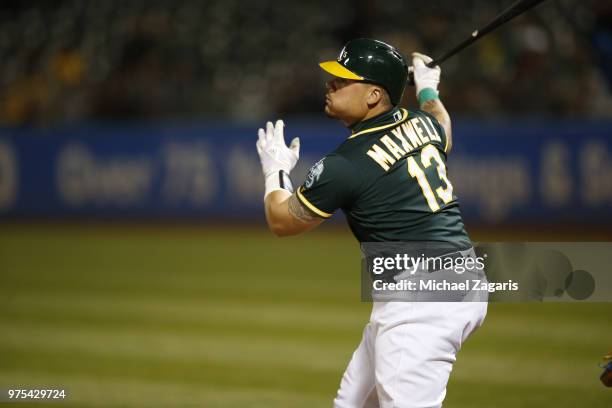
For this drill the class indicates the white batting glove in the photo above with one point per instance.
(277, 160)
(424, 77)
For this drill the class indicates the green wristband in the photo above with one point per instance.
(427, 94)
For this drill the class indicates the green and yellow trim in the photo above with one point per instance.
(378, 128)
(310, 206)
(445, 142)
(339, 70)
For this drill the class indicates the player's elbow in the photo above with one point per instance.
(287, 228)
(280, 229)
(283, 233)
(282, 224)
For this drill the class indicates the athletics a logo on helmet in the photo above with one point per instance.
(342, 54)
(314, 173)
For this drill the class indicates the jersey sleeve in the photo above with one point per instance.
(431, 120)
(331, 183)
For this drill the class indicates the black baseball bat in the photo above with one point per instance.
(514, 10)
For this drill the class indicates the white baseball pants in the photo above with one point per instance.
(407, 353)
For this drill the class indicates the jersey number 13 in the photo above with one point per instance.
(428, 154)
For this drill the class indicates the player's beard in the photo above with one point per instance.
(329, 112)
(328, 108)
(337, 110)
(332, 113)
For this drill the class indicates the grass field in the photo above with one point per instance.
(209, 317)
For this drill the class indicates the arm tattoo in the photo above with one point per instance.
(299, 211)
(435, 107)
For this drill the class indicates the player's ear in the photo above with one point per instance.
(376, 95)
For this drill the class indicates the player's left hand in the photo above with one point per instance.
(424, 77)
(273, 152)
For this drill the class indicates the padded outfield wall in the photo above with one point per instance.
(505, 173)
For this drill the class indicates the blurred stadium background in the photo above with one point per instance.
(135, 267)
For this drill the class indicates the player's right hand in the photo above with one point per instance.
(424, 77)
(273, 152)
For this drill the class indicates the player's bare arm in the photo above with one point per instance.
(436, 108)
(284, 213)
(300, 212)
(426, 82)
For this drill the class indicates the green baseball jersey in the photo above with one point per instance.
(390, 179)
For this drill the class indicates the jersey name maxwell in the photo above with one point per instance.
(402, 140)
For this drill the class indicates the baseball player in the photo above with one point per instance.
(389, 178)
